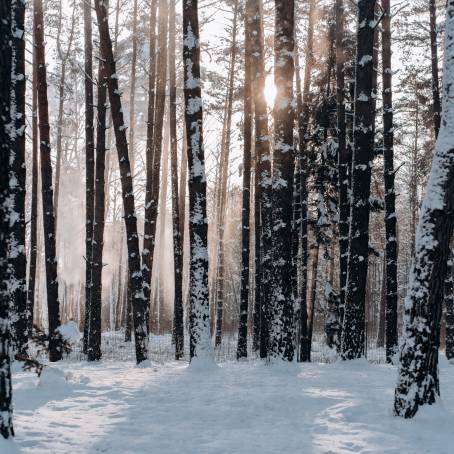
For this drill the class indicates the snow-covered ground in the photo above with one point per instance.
(116, 407)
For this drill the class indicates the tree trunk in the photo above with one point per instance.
(434, 61)
(6, 150)
(418, 382)
(246, 208)
(353, 334)
(313, 296)
(281, 335)
(200, 346)
(132, 95)
(390, 195)
(178, 327)
(224, 175)
(94, 335)
(47, 195)
(135, 272)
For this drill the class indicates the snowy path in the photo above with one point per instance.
(237, 408)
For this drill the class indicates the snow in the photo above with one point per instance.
(246, 407)
(70, 332)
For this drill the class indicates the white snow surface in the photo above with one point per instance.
(247, 407)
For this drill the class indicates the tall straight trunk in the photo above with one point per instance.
(418, 382)
(17, 174)
(135, 273)
(281, 333)
(199, 318)
(262, 189)
(47, 195)
(246, 207)
(154, 154)
(222, 207)
(313, 297)
(132, 94)
(344, 206)
(94, 335)
(353, 333)
(182, 186)
(449, 301)
(32, 260)
(6, 149)
(436, 104)
(302, 105)
(390, 195)
(178, 327)
(89, 167)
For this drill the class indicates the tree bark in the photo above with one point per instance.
(132, 94)
(418, 382)
(135, 273)
(200, 346)
(281, 333)
(434, 65)
(353, 333)
(53, 304)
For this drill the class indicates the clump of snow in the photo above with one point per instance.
(70, 332)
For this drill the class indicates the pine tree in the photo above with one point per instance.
(200, 346)
(47, 196)
(353, 331)
(139, 302)
(418, 382)
(281, 335)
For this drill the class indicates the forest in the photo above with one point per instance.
(226, 226)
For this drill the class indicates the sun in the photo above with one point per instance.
(270, 90)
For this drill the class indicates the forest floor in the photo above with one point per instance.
(117, 407)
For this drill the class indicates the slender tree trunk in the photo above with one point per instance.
(313, 296)
(155, 150)
(6, 150)
(200, 346)
(178, 327)
(132, 95)
(94, 338)
(32, 260)
(222, 207)
(281, 335)
(418, 382)
(47, 195)
(302, 104)
(390, 195)
(246, 208)
(353, 333)
(89, 169)
(135, 272)
(434, 60)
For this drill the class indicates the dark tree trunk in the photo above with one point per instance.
(262, 189)
(132, 94)
(353, 333)
(89, 169)
(6, 149)
(139, 302)
(33, 205)
(344, 206)
(17, 173)
(94, 337)
(47, 194)
(224, 174)
(418, 382)
(178, 327)
(154, 149)
(434, 60)
(302, 105)
(199, 319)
(449, 301)
(246, 208)
(281, 334)
(390, 195)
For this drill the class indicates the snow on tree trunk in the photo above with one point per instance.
(390, 195)
(418, 382)
(245, 210)
(449, 301)
(139, 303)
(53, 304)
(200, 345)
(281, 333)
(6, 151)
(178, 324)
(434, 65)
(353, 331)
